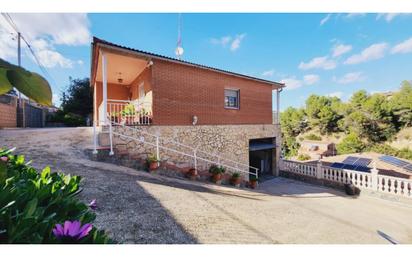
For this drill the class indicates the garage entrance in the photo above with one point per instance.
(262, 155)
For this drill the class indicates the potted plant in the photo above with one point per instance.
(253, 182)
(350, 189)
(236, 179)
(216, 172)
(192, 174)
(153, 162)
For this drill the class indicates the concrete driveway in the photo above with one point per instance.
(136, 207)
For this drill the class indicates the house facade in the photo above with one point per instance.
(213, 111)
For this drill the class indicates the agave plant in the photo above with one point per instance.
(29, 83)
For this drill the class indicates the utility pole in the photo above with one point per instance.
(21, 104)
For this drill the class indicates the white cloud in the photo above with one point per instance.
(403, 47)
(322, 62)
(325, 19)
(387, 16)
(236, 42)
(292, 83)
(311, 79)
(373, 52)
(232, 42)
(62, 28)
(350, 78)
(80, 62)
(354, 15)
(44, 32)
(268, 73)
(340, 49)
(223, 41)
(337, 94)
(56, 99)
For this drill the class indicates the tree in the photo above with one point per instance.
(350, 144)
(293, 121)
(29, 83)
(401, 102)
(78, 99)
(321, 113)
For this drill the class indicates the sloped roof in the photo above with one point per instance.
(98, 41)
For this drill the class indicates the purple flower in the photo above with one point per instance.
(4, 158)
(71, 230)
(93, 204)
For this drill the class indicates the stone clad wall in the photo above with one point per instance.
(228, 141)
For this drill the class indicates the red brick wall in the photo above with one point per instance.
(8, 116)
(181, 91)
(146, 77)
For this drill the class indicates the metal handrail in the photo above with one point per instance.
(194, 155)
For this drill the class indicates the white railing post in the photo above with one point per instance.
(319, 174)
(111, 139)
(374, 178)
(94, 138)
(157, 148)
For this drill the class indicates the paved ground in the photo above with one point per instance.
(136, 207)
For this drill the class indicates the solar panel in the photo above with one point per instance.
(408, 167)
(337, 165)
(362, 168)
(364, 162)
(350, 160)
(394, 161)
(349, 167)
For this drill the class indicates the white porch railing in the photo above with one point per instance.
(198, 157)
(372, 181)
(129, 113)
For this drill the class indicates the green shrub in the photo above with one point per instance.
(32, 203)
(236, 175)
(404, 153)
(313, 137)
(214, 169)
(303, 157)
(351, 144)
(73, 120)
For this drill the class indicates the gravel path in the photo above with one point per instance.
(136, 207)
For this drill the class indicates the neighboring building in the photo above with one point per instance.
(216, 111)
(8, 111)
(317, 149)
(374, 159)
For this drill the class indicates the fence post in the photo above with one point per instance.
(374, 178)
(111, 139)
(319, 174)
(195, 156)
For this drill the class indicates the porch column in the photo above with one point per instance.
(104, 74)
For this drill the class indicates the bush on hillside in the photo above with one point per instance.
(351, 144)
(404, 153)
(39, 207)
(313, 137)
(303, 157)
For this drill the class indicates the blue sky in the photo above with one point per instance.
(326, 54)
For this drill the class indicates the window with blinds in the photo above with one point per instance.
(232, 98)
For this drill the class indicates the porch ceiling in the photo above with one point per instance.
(129, 67)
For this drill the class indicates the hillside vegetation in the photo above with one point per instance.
(367, 122)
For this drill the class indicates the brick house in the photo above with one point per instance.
(216, 112)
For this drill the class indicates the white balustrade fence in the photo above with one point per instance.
(366, 180)
(130, 113)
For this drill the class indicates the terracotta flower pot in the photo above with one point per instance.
(153, 166)
(192, 174)
(236, 181)
(216, 178)
(253, 184)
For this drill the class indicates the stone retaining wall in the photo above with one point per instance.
(228, 141)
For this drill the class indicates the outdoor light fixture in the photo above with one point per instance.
(120, 80)
(194, 120)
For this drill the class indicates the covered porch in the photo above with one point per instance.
(122, 88)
